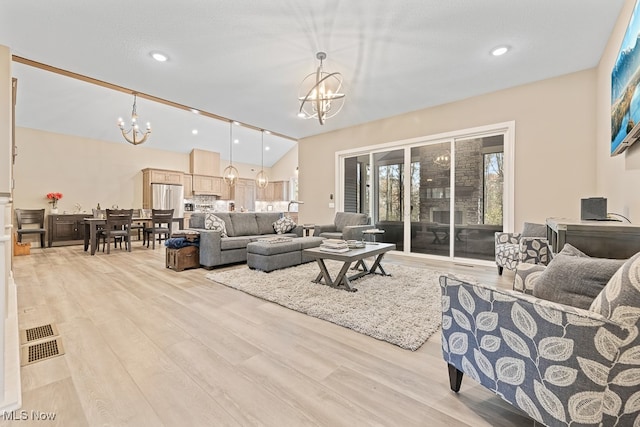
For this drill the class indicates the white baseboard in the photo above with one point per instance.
(12, 385)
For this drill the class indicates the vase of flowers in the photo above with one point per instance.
(53, 199)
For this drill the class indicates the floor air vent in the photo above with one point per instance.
(38, 333)
(43, 350)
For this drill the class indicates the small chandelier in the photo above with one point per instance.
(133, 135)
(262, 180)
(443, 160)
(319, 94)
(230, 173)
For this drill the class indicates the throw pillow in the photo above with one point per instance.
(620, 298)
(212, 222)
(575, 279)
(534, 230)
(284, 225)
(568, 249)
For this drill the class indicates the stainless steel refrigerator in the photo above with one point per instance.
(166, 196)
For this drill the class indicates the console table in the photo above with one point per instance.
(65, 228)
(601, 239)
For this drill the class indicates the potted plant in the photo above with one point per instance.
(53, 199)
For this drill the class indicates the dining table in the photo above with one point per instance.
(92, 224)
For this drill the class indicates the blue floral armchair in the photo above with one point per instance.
(559, 364)
(513, 248)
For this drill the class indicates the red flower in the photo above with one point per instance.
(54, 197)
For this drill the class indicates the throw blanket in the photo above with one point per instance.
(178, 242)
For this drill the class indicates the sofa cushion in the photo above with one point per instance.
(310, 242)
(265, 221)
(344, 219)
(534, 230)
(244, 223)
(196, 220)
(620, 298)
(212, 222)
(575, 279)
(284, 225)
(238, 242)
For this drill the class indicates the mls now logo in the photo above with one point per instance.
(27, 415)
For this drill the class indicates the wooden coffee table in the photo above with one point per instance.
(342, 281)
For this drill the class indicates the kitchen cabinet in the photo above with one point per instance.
(281, 190)
(158, 176)
(67, 229)
(203, 184)
(275, 191)
(161, 176)
(265, 194)
(226, 193)
(188, 185)
(202, 162)
(244, 194)
(187, 218)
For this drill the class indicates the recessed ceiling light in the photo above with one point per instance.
(236, 141)
(159, 56)
(268, 132)
(267, 148)
(500, 50)
(194, 111)
(236, 123)
(195, 131)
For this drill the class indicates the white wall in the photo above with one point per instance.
(89, 171)
(285, 168)
(5, 120)
(617, 177)
(85, 171)
(554, 149)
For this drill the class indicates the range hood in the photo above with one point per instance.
(209, 195)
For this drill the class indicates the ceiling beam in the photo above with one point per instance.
(129, 91)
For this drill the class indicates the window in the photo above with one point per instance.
(445, 195)
(390, 192)
(493, 185)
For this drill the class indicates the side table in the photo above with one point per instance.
(372, 233)
(307, 229)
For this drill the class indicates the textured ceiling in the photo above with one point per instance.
(244, 60)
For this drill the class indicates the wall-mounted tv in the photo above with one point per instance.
(625, 92)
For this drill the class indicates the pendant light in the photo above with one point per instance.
(134, 135)
(262, 180)
(230, 173)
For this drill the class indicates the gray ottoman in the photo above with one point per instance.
(267, 256)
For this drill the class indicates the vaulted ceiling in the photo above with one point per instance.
(244, 60)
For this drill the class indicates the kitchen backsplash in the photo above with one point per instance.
(212, 203)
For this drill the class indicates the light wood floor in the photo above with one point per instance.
(147, 346)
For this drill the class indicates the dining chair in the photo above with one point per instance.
(30, 217)
(161, 220)
(118, 226)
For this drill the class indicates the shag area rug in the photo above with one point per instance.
(403, 309)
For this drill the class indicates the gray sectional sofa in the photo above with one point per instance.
(242, 228)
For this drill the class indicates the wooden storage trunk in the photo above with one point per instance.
(180, 259)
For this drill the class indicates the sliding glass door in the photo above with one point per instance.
(388, 195)
(479, 194)
(430, 199)
(441, 198)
